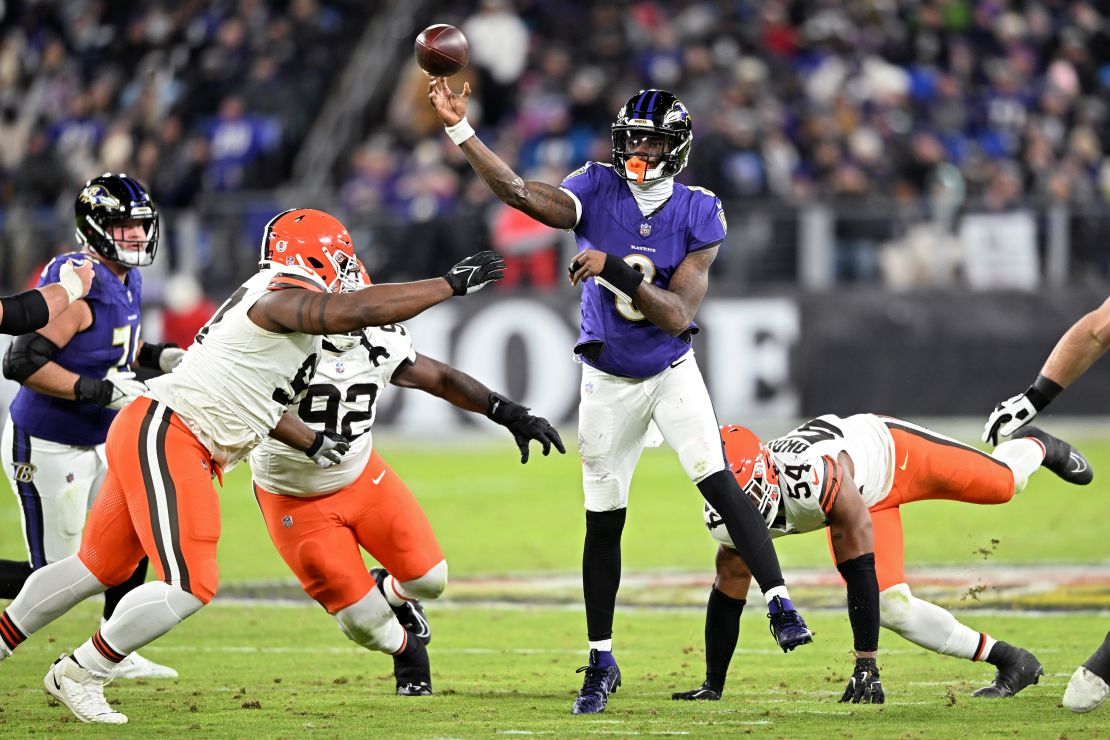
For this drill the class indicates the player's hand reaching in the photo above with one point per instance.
(328, 449)
(450, 106)
(476, 272)
(524, 427)
(1009, 416)
(864, 687)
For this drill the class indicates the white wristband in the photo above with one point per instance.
(68, 279)
(460, 132)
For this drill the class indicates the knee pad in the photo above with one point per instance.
(370, 623)
(701, 458)
(895, 607)
(431, 584)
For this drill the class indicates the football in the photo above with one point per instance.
(442, 50)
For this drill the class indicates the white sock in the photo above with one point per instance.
(51, 591)
(930, 626)
(1023, 456)
(395, 592)
(776, 591)
(605, 646)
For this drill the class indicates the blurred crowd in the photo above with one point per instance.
(891, 112)
(189, 97)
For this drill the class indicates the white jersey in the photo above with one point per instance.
(809, 474)
(235, 381)
(342, 397)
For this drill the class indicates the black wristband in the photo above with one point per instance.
(317, 443)
(621, 275)
(503, 410)
(24, 312)
(150, 354)
(863, 600)
(869, 665)
(93, 390)
(1042, 392)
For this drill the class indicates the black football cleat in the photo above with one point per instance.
(412, 669)
(1017, 668)
(596, 687)
(1059, 456)
(787, 625)
(703, 693)
(414, 689)
(410, 614)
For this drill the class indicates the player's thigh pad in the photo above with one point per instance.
(110, 546)
(389, 522)
(613, 418)
(931, 466)
(371, 623)
(684, 414)
(53, 484)
(166, 475)
(319, 547)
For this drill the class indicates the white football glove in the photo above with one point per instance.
(125, 389)
(170, 358)
(328, 449)
(1008, 416)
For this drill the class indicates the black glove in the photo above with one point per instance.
(864, 687)
(476, 272)
(524, 426)
(164, 357)
(328, 449)
(111, 393)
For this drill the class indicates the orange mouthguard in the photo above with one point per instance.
(639, 166)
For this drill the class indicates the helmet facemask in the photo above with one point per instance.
(762, 487)
(644, 155)
(353, 277)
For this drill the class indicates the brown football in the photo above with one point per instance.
(442, 50)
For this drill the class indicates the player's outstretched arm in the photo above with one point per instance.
(297, 310)
(1080, 347)
(853, 543)
(546, 203)
(470, 394)
(31, 310)
(673, 308)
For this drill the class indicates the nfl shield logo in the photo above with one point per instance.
(645, 229)
(340, 367)
(287, 521)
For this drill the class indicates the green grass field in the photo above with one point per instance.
(511, 670)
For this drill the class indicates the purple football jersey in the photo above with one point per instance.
(109, 343)
(615, 337)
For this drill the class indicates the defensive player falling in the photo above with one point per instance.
(852, 475)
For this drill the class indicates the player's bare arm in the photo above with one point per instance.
(546, 203)
(325, 448)
(1083, 344)
(466, 392)
(673, 308)
(296, 310)
(31, 354)
(849, 521)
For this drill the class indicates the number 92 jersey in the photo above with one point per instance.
(342, 397)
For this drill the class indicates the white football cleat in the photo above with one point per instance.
(1085, 691)
(136, 666)
(81, 691)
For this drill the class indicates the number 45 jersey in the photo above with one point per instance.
(341, 397)
(235, 381)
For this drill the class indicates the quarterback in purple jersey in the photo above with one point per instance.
(76, 373)
(646, 244)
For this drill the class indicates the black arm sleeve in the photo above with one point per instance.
(24, 312)
(26, 354)
(863, 600)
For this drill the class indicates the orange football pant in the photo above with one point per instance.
(157, 499)
(929, 467)
(319, 536)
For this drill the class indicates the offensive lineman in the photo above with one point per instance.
(228, 394)
(647, 242)
(318, 518)
(852, 474)
(76, 374)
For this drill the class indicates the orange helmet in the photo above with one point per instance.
(308, 249)
(750, 461)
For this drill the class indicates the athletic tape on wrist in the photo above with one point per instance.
(460, 132)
